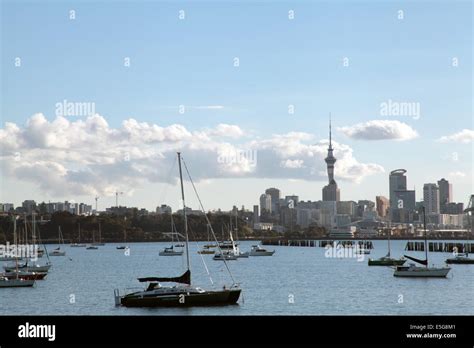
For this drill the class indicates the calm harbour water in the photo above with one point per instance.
(317, 284)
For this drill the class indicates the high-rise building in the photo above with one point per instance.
(256, 218)
(398, 182)
(275, 199)
(383, 204)
(331, 191)
(431, 198)
(265, 204)
(291, 201)
(445, 194)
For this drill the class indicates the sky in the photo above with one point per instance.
(243, 89)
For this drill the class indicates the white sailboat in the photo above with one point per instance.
(171, 251)
(414, 271)
(16, 281)
(78, 244)
(58, 251)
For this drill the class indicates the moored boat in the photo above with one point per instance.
(257, 250)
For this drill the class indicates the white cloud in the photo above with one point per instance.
(380, 130)
(465, 136)
(227, 130)
(90, 157)
(457, 174)
(208, 107)
(292, 163)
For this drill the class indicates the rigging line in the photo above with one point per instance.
(202, 258)
(208, 222)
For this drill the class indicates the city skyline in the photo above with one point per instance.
(114, 120)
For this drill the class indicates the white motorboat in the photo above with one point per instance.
(257, 250)
(171, 252)
(225, 256)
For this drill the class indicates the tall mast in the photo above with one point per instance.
(389, 233)
(426, 240)
(184, 210)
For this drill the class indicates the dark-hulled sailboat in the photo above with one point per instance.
(387, 260)
(182, 294)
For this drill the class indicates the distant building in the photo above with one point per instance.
(431, 198)
(256, 218)
(454, 208)
(275, 200)
(327, 214)
(29, 206)
(307, 213)
(346, 207)
(164, 209)
(382, 205)
(265, 204)
(445, 194)
(397, 182)
(6, 207)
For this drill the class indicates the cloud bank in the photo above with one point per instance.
(89, 157)
(380, 130)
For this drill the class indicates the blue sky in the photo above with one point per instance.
(282, 62)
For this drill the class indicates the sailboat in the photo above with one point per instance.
(463, 258)
(183, 293)
(58, 251)
(206, 250)
(78, 244)
(15, 280)
(387, 260)
(123, 247)
(171, 251)
(228, 250)
(416, 271)
(100, 238)
(93, 245)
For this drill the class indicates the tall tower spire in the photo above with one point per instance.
(330, 191)
(330, 135)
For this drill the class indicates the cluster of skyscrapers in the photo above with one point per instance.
(342, 217)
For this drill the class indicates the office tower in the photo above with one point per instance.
(445, 194)
(431, 198)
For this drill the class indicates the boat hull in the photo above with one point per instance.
(208, 298)
(391, 262)
(421, 272)
(460, 261)
(16, 283)
(174, 253)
